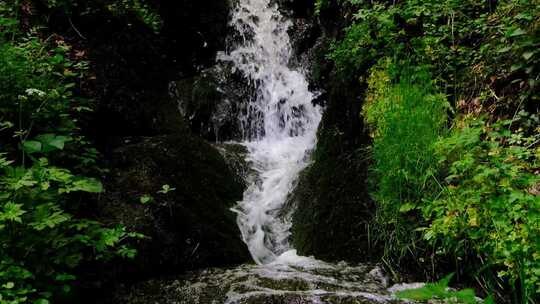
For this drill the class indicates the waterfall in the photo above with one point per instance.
(279, 125)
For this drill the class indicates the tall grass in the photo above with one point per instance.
(406, 119)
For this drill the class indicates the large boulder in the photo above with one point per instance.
(188, 227)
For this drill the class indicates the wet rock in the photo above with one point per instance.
(188, 227)
(211, 102)
(235, 156)
(274, 284)
(333, 209)
(131, 65)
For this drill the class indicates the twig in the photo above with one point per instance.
(75, 29)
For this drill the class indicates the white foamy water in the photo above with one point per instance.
(279, 126)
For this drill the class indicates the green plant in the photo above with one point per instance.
(42, 242)
(45, 164)
(488, 204)
(406, 119)
(471, 195)
(141, 9)
(166, 189)
(440, 291)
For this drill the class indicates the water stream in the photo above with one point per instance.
(279, 128)
(279, 125)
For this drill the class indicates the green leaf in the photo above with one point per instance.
(32, 146)
(527, 55)
(516, 32)
(166, 189)
(515, 67)
(145, 199)
(504, 49)
(9, 285)
(12, 212)
(91, 185)
(53, 142)
(407, 207)
(65, 277)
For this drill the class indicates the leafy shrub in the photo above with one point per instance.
(472, 194)
(471, 46)
(43, 237)
(490, 203)
(42, 243)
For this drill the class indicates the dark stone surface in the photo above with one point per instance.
(132, 65)
(211, 102)
(333, 208)
(190, 227)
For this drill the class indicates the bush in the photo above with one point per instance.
(470, 195)
(471, 192)
(43, 237)
(490, 203)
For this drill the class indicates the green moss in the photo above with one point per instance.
(189, 227)
(333, 209)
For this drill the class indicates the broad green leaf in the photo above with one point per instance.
(407, 207)
(63, 277)
(32, 146)
(52, 142)
(527, 55)
(504, 49)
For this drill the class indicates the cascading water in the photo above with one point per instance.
(279, 125)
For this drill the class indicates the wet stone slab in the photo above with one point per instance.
(269, 284)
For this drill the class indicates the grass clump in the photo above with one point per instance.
(469, 193)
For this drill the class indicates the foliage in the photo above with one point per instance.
(472, 193)
(470, 46)
(489, 204)
(407, 118)
(142, 10)
(44, 159)
(440, 290)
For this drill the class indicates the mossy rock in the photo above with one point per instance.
(211, 102)
(189, 227)
(254, 284)
(333, 206)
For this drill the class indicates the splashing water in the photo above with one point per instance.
(279, 126)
